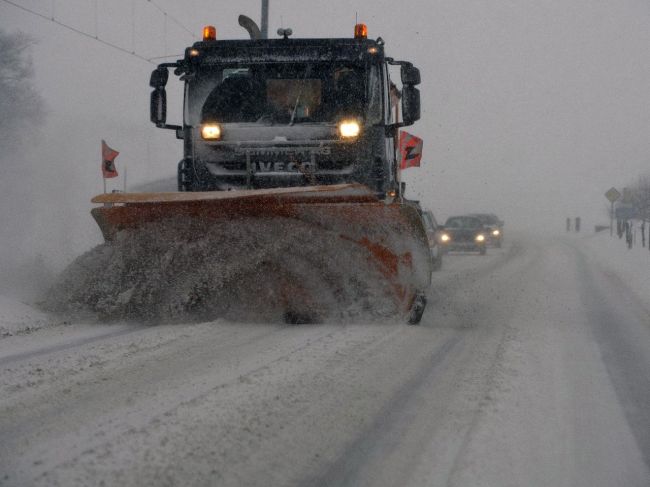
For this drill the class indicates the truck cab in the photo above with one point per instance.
(269, 113)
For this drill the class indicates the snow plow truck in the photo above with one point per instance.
(292, 130)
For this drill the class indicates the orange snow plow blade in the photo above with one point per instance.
(387, 238)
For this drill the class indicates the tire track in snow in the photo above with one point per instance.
(344, 471)
(404, 409)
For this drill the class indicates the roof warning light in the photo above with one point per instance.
(209, 33)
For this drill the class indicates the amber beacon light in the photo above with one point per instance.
(361, 31)
(209, 33)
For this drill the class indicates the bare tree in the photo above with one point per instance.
(641, 196)
(21, 106)
(21, 112)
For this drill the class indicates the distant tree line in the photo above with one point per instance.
(636, 195)
(21, 106)
(22, 112)
(640, 196)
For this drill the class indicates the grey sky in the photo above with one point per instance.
(531, 108)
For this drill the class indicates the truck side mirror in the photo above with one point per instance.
(410, 104)
(158, 107)
(159, 77)
(410, 75)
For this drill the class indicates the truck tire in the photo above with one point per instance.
(417, 309)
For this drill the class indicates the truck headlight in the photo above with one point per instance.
(211, 131)
(480, 238)
(495, 233)
(444, 238)
(349, 129)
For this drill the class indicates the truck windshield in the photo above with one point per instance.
(278, 94)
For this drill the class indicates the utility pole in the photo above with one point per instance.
(265, 19)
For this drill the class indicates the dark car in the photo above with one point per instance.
(433, 235)
(464, 233)
(494, 227)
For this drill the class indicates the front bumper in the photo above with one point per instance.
(463, 245)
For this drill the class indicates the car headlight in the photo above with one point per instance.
(211, 131)
(496, 233)
(445, 238)
(480, 238)
(349, 129)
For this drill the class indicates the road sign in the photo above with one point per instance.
(612, 194)
(626, 213)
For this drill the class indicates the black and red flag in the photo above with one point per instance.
(410, 148)
(108, 161)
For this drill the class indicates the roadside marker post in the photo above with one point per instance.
(612, 195)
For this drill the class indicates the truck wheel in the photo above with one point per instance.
(300, 318)
(482, 251)
(417, 310)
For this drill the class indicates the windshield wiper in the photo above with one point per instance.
(302, 87)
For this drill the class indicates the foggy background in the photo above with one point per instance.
(531, 109)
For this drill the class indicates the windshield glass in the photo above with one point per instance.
(462, 222)
(278, 93)
(488, 219)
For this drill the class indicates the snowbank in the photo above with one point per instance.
(17, 317)
(632, 266)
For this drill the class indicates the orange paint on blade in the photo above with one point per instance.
(388, 265)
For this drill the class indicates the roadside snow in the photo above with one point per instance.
(552, 415)
(632, 266)
(17, 317)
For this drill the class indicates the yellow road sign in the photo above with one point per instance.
(612, 194)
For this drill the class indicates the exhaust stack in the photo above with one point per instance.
(251, 27)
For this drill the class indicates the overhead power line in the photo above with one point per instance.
(176, 21)
(95, 37)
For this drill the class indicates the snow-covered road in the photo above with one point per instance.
(531, 367)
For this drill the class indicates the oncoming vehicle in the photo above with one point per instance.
(494, 227)
(464, 233)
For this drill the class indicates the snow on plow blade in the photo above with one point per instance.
(317, 233)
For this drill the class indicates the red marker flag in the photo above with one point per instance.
(410, 147)
(108, 161)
